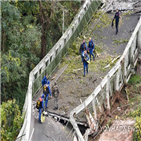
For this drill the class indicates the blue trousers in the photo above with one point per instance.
(82, 54)
(91, 53)
(117, 26)
(40, 111)
(85, 67)
(46, 101)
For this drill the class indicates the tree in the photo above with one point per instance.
(11, 120)
(51, 21)
(46, 13)
(20, 51)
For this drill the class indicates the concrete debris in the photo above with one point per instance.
(119, 131)
(138, 4)
(93, 127)
(137, 10)
(123, 5)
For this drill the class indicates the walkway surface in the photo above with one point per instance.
(72, 85)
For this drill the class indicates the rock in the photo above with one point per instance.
(119, 131)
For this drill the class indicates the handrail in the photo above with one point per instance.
(51, 60)
(114, 80)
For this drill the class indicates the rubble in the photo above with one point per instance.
(119, 131)
(124, 5)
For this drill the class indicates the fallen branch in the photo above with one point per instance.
(77, 69)
(112, 62)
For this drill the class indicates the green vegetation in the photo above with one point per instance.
(135, 79)
(74, 58)
(127, 13)
(137, 116)
(29, 31)
(102, 23)
(133, 90)
(11, 120)
(120, 41)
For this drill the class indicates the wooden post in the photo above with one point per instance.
(107, 93)
(94, 108)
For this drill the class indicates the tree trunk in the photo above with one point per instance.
(3, 40)
(43, 36)
(43, 42)
(3, 35)
(45, 21)
(3, 93)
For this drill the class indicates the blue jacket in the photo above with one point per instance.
(85, 58)
(117, 16)
(83, 47)
(91, 45)
(44, 80)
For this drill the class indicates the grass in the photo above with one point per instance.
(128, 13)
(120, 41)
(73, 57)
(135, 79)
(104, 22)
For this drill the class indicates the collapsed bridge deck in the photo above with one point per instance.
(72, 85)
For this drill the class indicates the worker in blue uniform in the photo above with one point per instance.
(41, 107)
(85, 61)
(83, 47)
(91, 47)
(48, 91)
(44, 80)
(116, 18)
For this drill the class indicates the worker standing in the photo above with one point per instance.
(85, 58)
(48, 91)
(83, 47)
(91, 47)
(55, 94)
(116, 18)
(44, 80)
(41, 107)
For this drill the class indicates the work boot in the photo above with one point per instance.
(116, 32)
(55, 108)
(40, 121)
(46, 109)
(84, 75)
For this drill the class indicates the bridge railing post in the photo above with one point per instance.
(117, 76)
(139, 38)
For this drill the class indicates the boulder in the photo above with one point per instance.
(119, 131)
